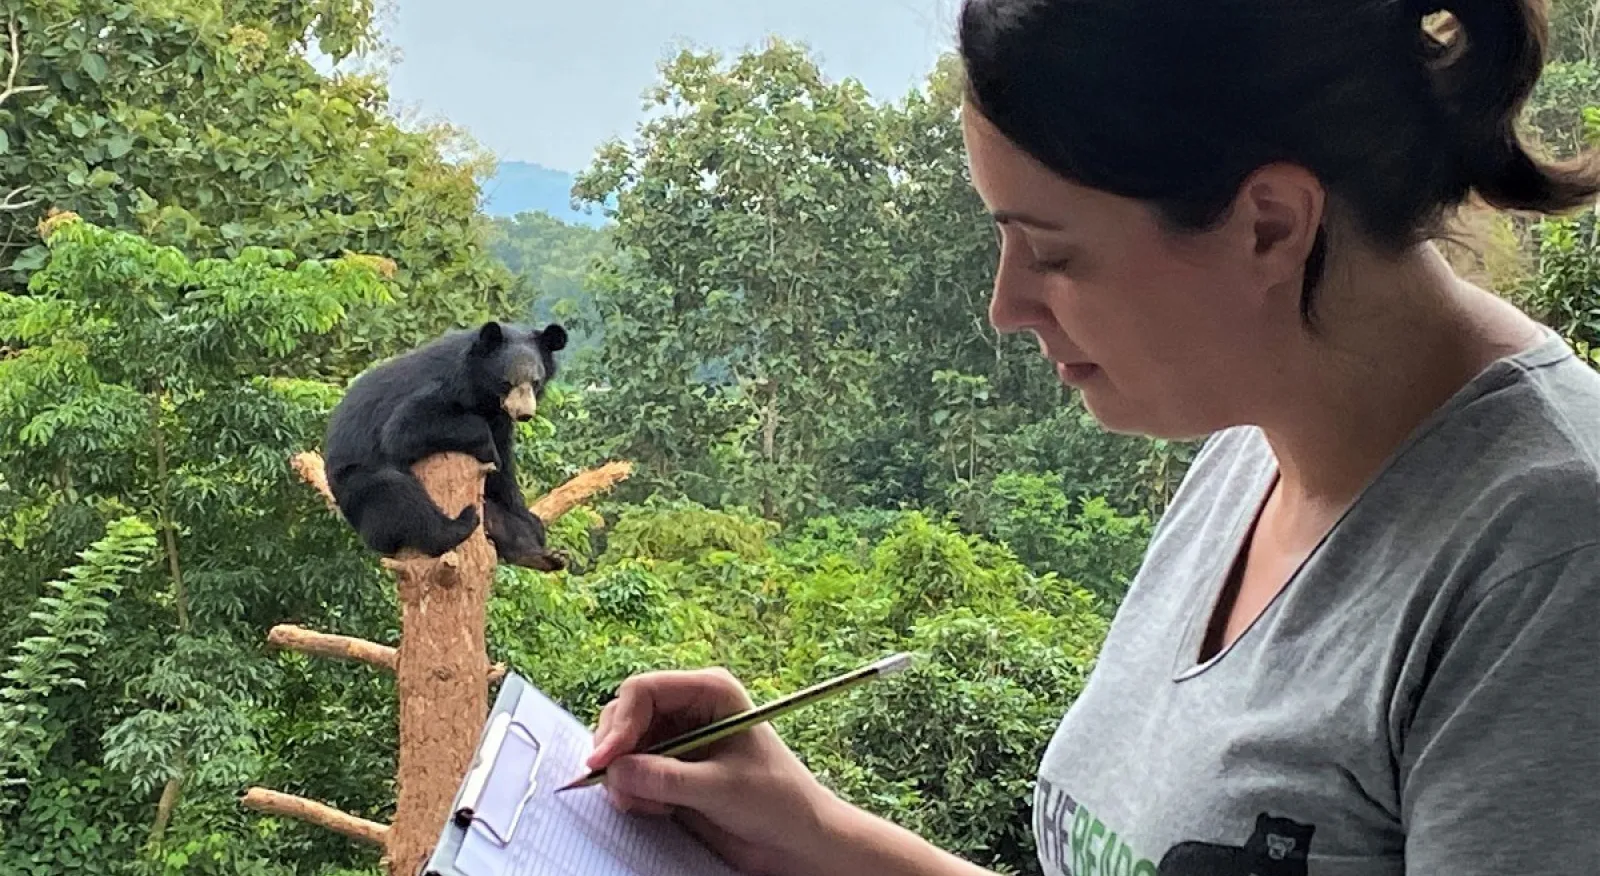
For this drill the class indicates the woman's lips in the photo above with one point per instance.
(1076, 373)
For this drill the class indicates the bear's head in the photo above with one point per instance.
(512, 365)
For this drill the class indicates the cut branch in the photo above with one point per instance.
(16, 64)
(441, 666)
(309, 465)
(312, 812)
(328, 645)
(316, 644)
(549, 507)
(573, 493)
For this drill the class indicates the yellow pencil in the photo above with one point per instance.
(745, 720)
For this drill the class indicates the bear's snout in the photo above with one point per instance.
(521, 403)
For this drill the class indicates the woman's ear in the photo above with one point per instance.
(1283, 205)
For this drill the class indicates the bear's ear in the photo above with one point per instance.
(489, 338)
(553, 338)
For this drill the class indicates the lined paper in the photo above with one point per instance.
(578, 833)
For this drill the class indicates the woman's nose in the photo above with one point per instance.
(1014, 305)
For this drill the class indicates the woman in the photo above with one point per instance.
(1364, 639)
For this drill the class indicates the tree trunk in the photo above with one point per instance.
(442, 666)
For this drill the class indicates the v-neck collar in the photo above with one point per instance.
(1187, 664)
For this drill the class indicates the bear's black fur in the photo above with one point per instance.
(461, 392)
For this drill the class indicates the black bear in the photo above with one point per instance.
(1278, 847)
(463, 392)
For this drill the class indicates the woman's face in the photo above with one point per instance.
(1161, 332)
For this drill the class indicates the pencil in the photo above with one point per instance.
(742, 721)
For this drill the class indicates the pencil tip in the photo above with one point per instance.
(575, 783)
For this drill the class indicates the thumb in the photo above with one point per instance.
(665, 780)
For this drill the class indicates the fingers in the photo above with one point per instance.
(665, 780)
(627, 803)
(621, 727)
(603, 727)
(666, 701)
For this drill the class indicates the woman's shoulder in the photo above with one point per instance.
(1524, 443)
(1508, 477)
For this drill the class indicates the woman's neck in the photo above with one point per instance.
(1395, 340)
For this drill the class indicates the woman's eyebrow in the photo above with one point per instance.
(1013, 217)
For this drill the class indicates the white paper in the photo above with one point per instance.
(576, 833)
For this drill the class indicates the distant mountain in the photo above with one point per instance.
(522, 186)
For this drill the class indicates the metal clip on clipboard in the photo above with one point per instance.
(498, 787)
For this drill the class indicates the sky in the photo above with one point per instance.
(548, 81)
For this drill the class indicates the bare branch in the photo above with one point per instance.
(316, 644)
(9, 202)
(572, 493)
(312, 812)
(332, 647)
(16, 64)
(309, 466)
(548, 507)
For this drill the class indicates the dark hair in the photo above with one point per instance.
(1177, 103)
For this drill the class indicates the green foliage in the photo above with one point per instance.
(730, 311)
(68, 824)
(683, 531)
(792, 314)
(72, 620)
(1559, 111)
(206, 126)
(1574, 30)
(552, 261)
(141, 385)
(949, 748)
(837, 457)
(1087, 542)
(1565, 291)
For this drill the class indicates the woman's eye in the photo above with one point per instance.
(1049, 266)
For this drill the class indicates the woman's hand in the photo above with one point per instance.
(748, 797)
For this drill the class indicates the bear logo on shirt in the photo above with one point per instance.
(1278, 847)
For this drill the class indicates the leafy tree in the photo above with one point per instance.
(746, 247)
(72, 618)
(794, 310)
(1575, 30)
(552, 259)
(141, 383)
(207, 127)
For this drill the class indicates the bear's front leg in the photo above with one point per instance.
(519, 538)
(517, 533)
(418, 430)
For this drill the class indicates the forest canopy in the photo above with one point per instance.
(204, 236)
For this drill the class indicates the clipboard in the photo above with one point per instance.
(506, 820)
(465, 808)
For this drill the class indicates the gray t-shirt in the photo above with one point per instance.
(1422, 698)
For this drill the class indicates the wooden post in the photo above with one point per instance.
(441, 667)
